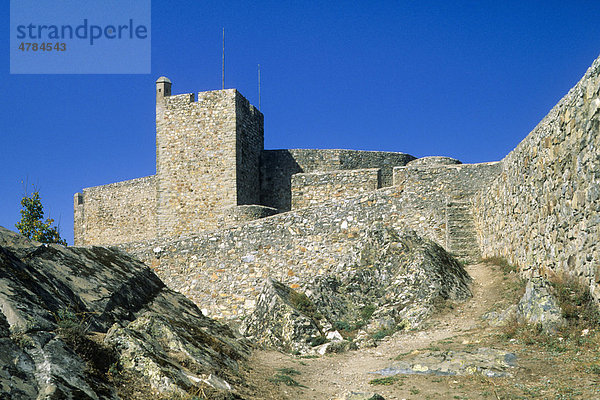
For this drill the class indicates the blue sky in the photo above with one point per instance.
(462, 79)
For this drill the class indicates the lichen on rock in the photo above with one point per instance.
(75, 322)
(393, 283)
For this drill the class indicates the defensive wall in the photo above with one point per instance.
(543, 211)
(314, 188)
(119, 212)
(539, 207)
(278, 167)
(212, 172)
(223, 270)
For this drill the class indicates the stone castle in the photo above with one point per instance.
(212, 171)
(222, 213)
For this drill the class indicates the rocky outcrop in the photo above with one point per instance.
(393, 282)
(539, 306)
(483, 361)
(93, 323)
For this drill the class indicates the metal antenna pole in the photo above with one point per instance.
(259, 86)
(223, 71)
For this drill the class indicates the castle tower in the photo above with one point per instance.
(207, 157)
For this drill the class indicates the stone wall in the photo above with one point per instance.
(278, 166)
(314, 188)
(236, 214)
(440, 183)
(116, 213)
(543, 211)
(222, 271)
(430, 161)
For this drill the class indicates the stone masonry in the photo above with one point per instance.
(222, 214)
(223, 270)
(212, 172)
(543, 211)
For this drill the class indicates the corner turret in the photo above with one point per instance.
(163, 88)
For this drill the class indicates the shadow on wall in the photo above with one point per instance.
(276, 170)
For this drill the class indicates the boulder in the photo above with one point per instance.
(284, 319)
(82, 323)
(393, 283)
(484, 361)
(539, 306)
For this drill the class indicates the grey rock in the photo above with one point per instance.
(500, 318)
(539, 307)
(55, 304)
(285, 319)
(393, 284)
(484, 361)
(360, 396)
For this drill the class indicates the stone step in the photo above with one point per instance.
(457, 221)
(459, 229)
(454, 211)
(462, 218)
(461, 238)
(455, 230)
(460, 209)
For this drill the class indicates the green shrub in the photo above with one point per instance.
(367, 311)
(317, 341)
(341, 326)
(32, 225)
(388, 380)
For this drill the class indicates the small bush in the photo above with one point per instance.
(288, 371)
(32, 224)
(341, 326)
(283, 376)
(578, 306)
(302, 303)
(317, 341)
(73, 331)
(387, 381)
(380, 334)
(367, 311)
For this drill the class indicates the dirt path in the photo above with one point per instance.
(333, 375)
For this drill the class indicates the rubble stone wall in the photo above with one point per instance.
(278, 166)
(439, 183)
(543, 210)
(122, 211)
(222, 271)
(317, 187)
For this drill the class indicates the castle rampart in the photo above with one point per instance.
(212, 172)
(442, 182)
(119, 212)
(278, 167)
(314, 188)
(543, 211)
(223, 270)
(539, 207)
